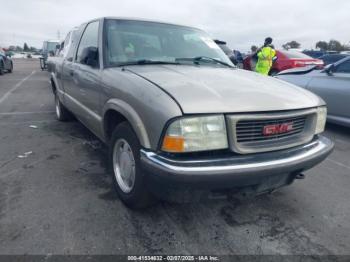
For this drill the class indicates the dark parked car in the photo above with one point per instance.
(6, 63)
(314, 53)
(332, 58)
(179, 118)
(234, 55)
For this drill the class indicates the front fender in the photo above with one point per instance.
(132, 116)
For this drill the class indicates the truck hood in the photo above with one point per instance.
(206, 89)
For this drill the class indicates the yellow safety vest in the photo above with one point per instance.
(265, 56)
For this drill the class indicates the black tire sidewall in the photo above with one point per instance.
(273, 72)
(64, 114)
(138, 197)
(57, 101)
(2, 68)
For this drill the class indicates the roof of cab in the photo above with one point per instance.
(140, 20)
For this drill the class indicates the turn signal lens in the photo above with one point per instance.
(173, 144)
(321, 119)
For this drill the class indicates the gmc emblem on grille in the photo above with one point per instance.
(277, 129)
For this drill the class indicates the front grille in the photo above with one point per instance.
(248, 131)
(252, 130)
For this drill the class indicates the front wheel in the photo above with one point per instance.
(1, 68)
(128, 175)
(273, 72)
(11, 68)
(62, 114)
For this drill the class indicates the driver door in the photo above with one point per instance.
(86, 80)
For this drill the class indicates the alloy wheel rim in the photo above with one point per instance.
(124, 165)
(58, 111)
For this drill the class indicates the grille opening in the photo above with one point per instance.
(253, 133)
(252, 130)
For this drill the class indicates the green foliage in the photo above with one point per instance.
(291, 44)
(335, 45)
(323, 45)
(32, 49)
(332, 45)
(25, 47)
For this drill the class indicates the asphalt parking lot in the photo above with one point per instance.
(56, 198)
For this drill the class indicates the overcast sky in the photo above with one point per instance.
(241, 23)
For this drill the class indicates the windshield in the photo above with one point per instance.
(226, 49)
(129, 41)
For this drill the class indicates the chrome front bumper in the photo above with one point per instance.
(238, 170)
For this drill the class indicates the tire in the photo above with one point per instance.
(11, 68)
(62, 114)
(124, 158)
(273, 72)
(2, 68)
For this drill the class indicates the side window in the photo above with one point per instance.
(64, 46)
(73, 43)
(344, 67)
(89, 39)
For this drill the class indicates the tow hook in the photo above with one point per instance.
(300, 176)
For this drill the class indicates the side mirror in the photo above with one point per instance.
(329, 69)
(89, 56)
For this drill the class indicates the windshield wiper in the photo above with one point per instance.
(205, 58)
(148, 62)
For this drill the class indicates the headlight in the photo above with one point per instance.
(191, 134)
(321, 119)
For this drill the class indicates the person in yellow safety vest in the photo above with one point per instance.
(266, 56)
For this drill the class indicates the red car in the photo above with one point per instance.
(286, 60)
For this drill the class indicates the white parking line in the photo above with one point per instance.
(338, 163)
(25, 113)
(7, 124)
(8, 93)
(341, 141)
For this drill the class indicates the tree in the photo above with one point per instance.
(323, 45)
(19, 49)
(332, 45)
(291, 44)
(335, 45)
(25, 47)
